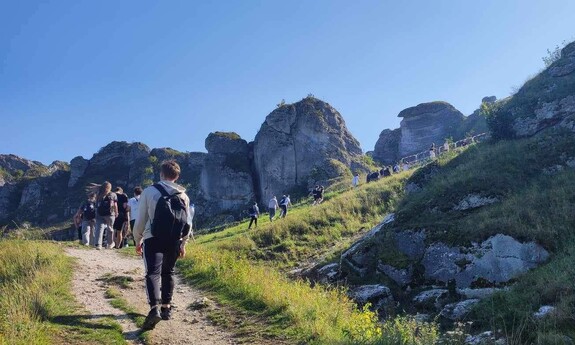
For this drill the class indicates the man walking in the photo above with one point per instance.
(285, 202)
(161, 232)
(272, 207)
(355, 180)
(254, 214)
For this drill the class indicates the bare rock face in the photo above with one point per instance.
(300, 144)
(13, 163)
(78, 166)
(120, 152)
(387, 146)
(226, 180)
(425, 124)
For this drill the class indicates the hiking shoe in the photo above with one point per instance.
(166, 313)
(152, 319)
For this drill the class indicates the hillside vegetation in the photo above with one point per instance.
(36, 305)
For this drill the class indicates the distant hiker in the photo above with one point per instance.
(161, 232)
(77, 219)
(106, 211)
(87, 213)
(254, 214)
(272, 207)
(446, 146)
(396, 168)
(318, 195)
(121, 223)
(355, 180)
(405, 166)
(133, 207)
(385, 172)
(284, 203)
(374, 176)
(432, 151)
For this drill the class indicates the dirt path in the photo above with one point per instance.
(186, 327)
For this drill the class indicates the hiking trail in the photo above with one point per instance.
(186, 326)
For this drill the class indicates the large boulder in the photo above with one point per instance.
(226, 179)
(386, 148)
(300, 144)
(497, 260)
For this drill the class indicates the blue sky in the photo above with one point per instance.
(76, 75)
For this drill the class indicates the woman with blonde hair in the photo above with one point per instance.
(106, 212)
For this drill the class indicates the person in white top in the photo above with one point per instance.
(133, 206)
(355, 180)
(272, 207)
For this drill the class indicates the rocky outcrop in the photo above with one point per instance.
(78, 166)
(458, 311)
(12, 164)
(547, 100)
(497, 260)
(423, 125)
(379, 296)
(226, 178)
(300, 144)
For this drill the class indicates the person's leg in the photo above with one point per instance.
(110, 230)
(256, 221)
(251, 221)
(100, 228)
(171, 253)
(86, 233)
(153, 258)
(92, 227)
(132, 223)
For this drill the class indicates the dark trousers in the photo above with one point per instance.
(160, 260)
(253, 220)
(284, 211)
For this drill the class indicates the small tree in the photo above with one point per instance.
(553, 55)
(498, 118)
(282, 103)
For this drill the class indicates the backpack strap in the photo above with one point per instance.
(163, 191)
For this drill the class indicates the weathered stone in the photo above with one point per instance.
(226, 178)
(458, 311)
(119, 152)
(379, 296)
(12, 164)
(78, 166)
(544, 311)
(401, 277)
(303, 143)
(386, 148)
(485, 338)
(473, 201)
(497, 260)
(489, 99)
(478, 293)
(411, 243)
(328, 273)
(429, 299)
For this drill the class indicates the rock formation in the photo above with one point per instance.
(300, 144)
(423, 125)
(226, 179)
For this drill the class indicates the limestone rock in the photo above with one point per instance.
(328, 273)
(411, 243)
(78, 166)
(13, 163)
(485, 338)
(378, 295)
(478, 293)
(301, 144)
(401, 277)
(386, 148)
(119, 152)
(458, 311)
(472, 201)
(544, 311)
(226, 179)
(429, 299)
(497, 260)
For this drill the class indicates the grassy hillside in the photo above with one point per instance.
(36, 305)
(535, 188)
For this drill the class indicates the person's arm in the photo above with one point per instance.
(141, 221)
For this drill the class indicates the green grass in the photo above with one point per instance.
(116, 300)
(292, 309)
(36, 304)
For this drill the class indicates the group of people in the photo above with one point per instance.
(160, 218)
(105, 218)
(273, 206)
(386, 171)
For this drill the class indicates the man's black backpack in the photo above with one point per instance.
(88, 211)
(170, 221)
(105, 206)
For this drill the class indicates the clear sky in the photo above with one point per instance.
(76, 75)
